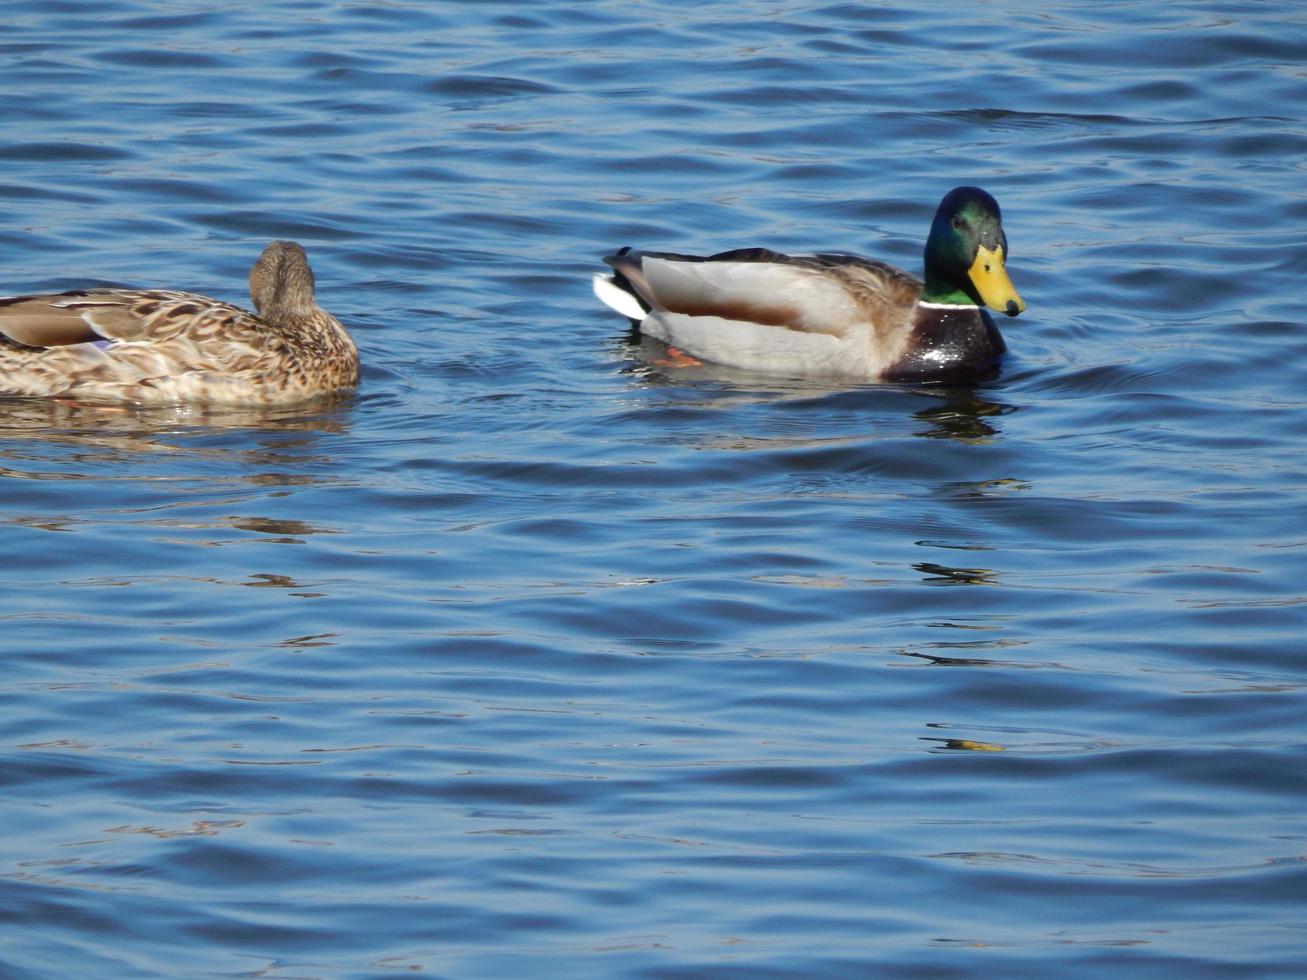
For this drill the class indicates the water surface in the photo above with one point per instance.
(534, 658)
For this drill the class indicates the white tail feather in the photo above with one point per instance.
(615, 297)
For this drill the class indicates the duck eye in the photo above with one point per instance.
(958, 222)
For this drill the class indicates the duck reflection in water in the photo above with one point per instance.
(961, 413)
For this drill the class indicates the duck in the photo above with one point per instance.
(164, 346)
(830, 315)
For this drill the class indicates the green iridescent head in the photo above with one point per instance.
(966, 252)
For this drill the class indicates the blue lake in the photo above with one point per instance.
(535, 658)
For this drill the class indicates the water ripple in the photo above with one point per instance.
(537, 657)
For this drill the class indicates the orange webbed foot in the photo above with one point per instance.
(677, 358)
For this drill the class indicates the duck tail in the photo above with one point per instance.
(616, 293)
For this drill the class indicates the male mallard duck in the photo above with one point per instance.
(831, 315)
(159, 345)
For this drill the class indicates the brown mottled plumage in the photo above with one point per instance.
(155, 346)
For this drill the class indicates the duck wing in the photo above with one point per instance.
(90, 315)
(754, 308)
(753, 285)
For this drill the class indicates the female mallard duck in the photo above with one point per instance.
(158, 345)
(831, 315)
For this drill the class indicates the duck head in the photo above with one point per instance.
(281, 282)
(966, 254)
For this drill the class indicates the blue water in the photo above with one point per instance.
(536, 659)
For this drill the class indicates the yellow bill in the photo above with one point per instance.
(989, 276)
(970, 746)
